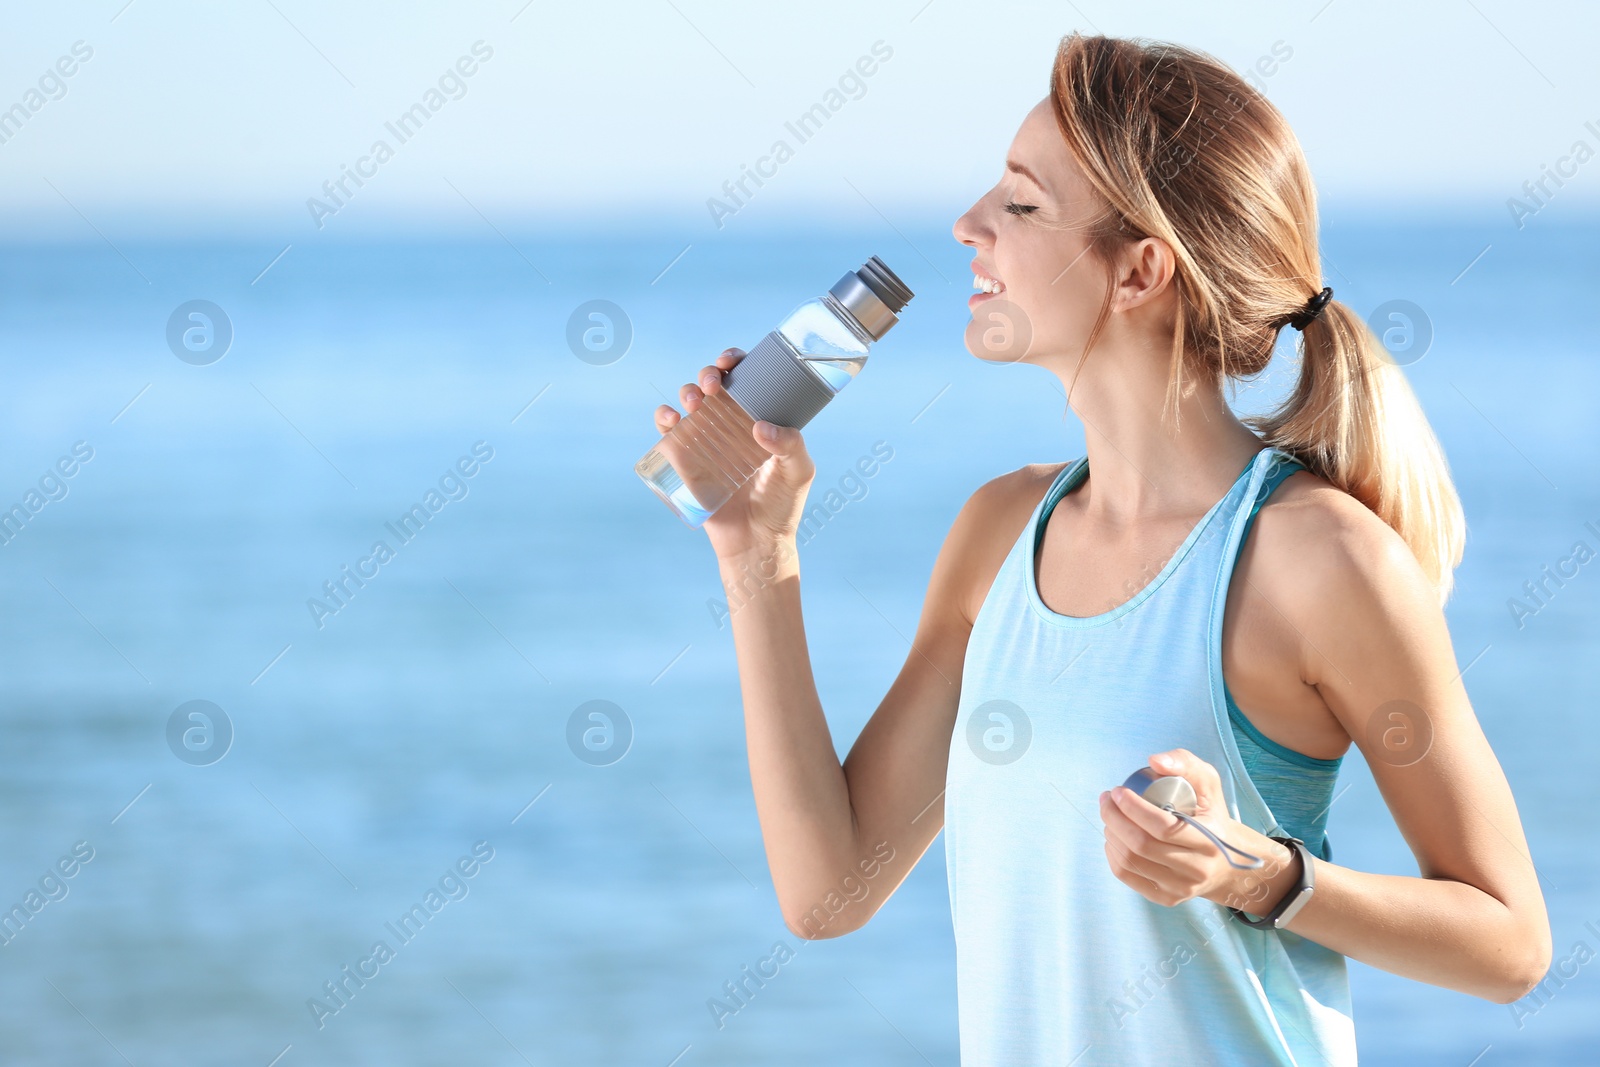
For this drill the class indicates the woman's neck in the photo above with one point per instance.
(1144, 466)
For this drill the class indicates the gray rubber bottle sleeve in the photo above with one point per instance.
(771, 384)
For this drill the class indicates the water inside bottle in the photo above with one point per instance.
(658, 473)
(829, 348)
(835, 371)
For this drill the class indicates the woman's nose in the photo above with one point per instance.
(969, 229)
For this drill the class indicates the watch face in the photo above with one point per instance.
(1297, 901)
(1298, 896)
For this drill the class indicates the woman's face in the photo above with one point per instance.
(1030, 235)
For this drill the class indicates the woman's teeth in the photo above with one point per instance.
(988, 285)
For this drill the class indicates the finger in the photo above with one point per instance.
(788, 449)
(1139, 841)
(1145, 815)
(1184, 856)
(710, 378)
(1135, 864)
(1162, 826)
(666, 417)
(1138, 883)
(689, 395)
(783, 441)
(1200, 774)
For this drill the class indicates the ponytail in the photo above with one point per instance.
(1353, 420)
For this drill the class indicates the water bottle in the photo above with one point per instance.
(784, 380)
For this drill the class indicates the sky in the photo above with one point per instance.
(196, 118)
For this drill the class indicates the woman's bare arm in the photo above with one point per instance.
(1370, 637)
(841, 837)
(854, 831)
(1376, 646)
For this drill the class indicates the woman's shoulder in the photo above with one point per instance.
(1024, 486)
(987, 527)
(1001, 505)
(1315, 549)
(1310, 512)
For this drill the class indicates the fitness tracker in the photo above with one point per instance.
(1287, 908)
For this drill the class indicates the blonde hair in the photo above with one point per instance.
(1181, 148)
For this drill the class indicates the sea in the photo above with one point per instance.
(359, 704)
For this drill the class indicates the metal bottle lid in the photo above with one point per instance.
(874, 294)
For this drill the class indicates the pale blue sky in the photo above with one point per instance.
(192, 116)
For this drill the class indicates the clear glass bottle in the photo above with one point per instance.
(786, 379)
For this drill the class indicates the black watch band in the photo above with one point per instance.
(1295, 899)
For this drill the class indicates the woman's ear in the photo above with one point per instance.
(1145, 273)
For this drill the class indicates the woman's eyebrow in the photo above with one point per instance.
(1013, 165)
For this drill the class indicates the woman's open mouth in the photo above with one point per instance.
(986, 286)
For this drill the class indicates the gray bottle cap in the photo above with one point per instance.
(873, 294)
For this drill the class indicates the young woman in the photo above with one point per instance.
(1233, 603)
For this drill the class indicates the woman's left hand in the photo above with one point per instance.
(1167, 861)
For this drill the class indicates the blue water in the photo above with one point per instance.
(423, 716)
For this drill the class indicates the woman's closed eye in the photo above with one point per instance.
(1020, 209)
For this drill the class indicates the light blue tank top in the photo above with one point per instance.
(1297, 788)
(1057, 961)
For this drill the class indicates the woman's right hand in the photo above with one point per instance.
(764, 514)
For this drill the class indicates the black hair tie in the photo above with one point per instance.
(1308, 314)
